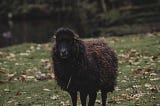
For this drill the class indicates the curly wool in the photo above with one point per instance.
(93, 66)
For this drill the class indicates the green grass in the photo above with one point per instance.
(138, 79)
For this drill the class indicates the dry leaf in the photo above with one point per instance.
(1, 81)
(128, 89)
(12, 55)
(123, 81)
(155, 89)
(148, 85)
(155, 79)
(30, 77)
(54, 97)
(10, 77)
(117, 89)
(137, 86)
(98, 101)
(29, 97)
(23, 77)
(48, 66)
(62, 103)
(45, 89)
(41, 76)
(138, 71)
(6, 90)
(24, 54)
(153, 74)
(44, 60)
(18, 93)
(25, 73)
(11, 101)
(148, 70)
(51, 75)
(132, 53)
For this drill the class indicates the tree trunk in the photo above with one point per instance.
(103, 4)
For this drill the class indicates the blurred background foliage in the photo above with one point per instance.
(90, 18)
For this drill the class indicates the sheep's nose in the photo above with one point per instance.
(63, 53)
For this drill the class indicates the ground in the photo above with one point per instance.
(26, 77)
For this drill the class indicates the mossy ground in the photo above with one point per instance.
(26, 76)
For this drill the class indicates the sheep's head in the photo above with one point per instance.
(65, 39)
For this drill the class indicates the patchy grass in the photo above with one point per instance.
(26, 77)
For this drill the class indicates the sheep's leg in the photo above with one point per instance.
(92, 98)
(104, 97)
(83, 97)
(74, 97)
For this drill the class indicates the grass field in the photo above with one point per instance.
(26, 77)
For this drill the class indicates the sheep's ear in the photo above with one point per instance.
(54, 37)
(76, 36)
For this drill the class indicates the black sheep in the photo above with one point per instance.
(84, 66)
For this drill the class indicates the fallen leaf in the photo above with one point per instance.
(148, 70)
(148, 85)
(12, 55)
(38, 47)
(68, 103)
(30, 77)
(137, 86)
(153, 97)
(137, 96)
(120, 62)
(17, 64)
(153, 58)
(48, 66)
(32, 47)
(28, 51)
(10, 77)
(1, 81)
(41, 76)
(123, 81)
(25, 73)
(153, 74)
(6, 90)
(29, 97)
(98, 101)
(1, 53)
(11, 101)
(155, 79)
(117, 89)
(136, 63)
(138, 71)
(132, 53)
(24, 54)
(51, 75)
(18, 93)
(155, 89)
(54, 97)
(44, 60)
(45, 89)
(128, 89)
(23, 77)
(62, 103)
